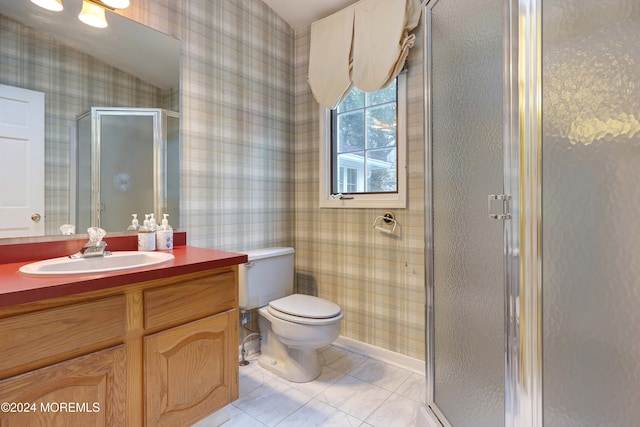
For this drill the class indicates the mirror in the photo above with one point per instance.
(79, 67)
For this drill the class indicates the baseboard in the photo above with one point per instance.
(381, 354)
(219, 417)
(377, 353)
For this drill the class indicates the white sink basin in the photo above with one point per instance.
(122, 260)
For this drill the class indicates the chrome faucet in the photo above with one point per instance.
(95, 247)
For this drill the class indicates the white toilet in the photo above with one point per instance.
(293, 326)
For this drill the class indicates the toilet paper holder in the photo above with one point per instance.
(386, 223)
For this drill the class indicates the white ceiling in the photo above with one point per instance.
(300, 13)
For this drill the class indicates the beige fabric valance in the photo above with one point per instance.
(364, 45)
(330, 57)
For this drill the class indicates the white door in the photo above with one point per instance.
(21, 162)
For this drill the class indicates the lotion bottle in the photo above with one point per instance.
(146, 236)
(164, 235)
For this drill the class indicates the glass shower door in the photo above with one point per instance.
(129, 145)
(590, 207)
(467, 314)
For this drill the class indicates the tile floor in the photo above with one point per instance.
(352, 390)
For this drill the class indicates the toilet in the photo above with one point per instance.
(293, 326)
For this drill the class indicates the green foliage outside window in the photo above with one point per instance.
(364, 139)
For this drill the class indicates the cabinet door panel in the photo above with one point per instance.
(191, 370)
(86, 391)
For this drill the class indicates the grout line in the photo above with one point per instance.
(344, 353)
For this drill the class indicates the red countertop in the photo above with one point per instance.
(16, 288)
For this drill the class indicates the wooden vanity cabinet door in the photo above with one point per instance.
(45, 337)
(186, 300)
(86, 391)
(191, 370)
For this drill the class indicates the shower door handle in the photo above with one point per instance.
(504, 199)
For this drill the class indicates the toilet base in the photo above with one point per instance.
(292, 364)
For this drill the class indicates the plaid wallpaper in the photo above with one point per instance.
(238, 122)
(250, 165)
(377, 279)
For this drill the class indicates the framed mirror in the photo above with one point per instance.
(77, 67)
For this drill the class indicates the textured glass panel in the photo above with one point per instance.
(83, 191)
(468, 247)
(173, 170)
(591, 206)
(126, 169)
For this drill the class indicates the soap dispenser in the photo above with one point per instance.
(164, 235)
(146, 236)
(135, 225)
(152, 222)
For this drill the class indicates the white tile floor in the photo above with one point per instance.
(352, 390)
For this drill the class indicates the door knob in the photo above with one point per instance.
(36, 217)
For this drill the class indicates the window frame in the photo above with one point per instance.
(366, 200)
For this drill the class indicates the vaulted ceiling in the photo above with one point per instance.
(300, 13)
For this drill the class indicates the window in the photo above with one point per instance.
(362, 159)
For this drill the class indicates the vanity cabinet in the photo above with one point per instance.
(84, 391)
(192, 367)
(182, 379)
(154, 353)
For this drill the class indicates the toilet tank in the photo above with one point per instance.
(267, 276)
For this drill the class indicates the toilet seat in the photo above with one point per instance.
(305, 309)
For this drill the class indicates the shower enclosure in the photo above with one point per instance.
(127, 162)
(533, 247)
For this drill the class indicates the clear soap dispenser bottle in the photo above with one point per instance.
(146, 236)
(152, 222)
(164, 235)
(135, 225)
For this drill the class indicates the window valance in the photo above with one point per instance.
(365, 44)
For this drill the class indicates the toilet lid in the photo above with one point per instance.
(306, 306)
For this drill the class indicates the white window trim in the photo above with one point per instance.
(378, 200)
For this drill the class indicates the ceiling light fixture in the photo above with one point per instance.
(55, 5)
(92, 10)
(92, 14)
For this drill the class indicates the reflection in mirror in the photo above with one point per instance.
(78, 67)
(123, 166)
